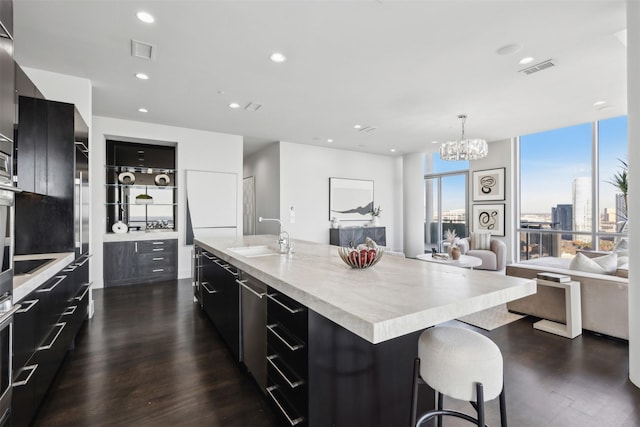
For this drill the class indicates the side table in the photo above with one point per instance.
(573, 328)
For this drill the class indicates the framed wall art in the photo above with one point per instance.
(489, 218)
(350, 199)
(488, 185)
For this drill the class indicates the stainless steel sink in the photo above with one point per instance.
(254, 251)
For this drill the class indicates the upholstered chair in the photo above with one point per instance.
(494, 257)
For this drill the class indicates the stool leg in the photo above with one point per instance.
(503, 408)
(414, 391)
(480, 404)
(440, 404)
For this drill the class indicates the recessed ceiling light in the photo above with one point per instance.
(599, 103)
(509, 49)
(142, 76)
(357, 126)
(393, 150)
(278, 57)
(234, 105)
(145, 17)
(143, 110)
(329, 140)
(526, 60)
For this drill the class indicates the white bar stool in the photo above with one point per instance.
(461, 364)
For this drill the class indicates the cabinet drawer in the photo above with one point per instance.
(296, 397)
(287, 312)
(156, 259)
(155, 246)
(23, 405)
(289, 350)
(289, 413)
(25, 322)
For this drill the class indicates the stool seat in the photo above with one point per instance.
(453, 359)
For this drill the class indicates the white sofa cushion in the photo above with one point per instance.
(602, 265)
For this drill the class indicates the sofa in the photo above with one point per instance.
(495, 258)
(604, 297)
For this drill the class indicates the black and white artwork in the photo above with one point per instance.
(489, 218)
(488, 185)
(350, 199)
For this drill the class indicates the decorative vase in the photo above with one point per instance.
(455, 253)
(335, 222)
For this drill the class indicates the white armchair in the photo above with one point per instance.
(493, 259)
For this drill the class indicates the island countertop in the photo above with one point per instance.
(395, 297)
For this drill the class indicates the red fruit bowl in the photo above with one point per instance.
(363, 258)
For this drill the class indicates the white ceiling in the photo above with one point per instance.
(407, 68)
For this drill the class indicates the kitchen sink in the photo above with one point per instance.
(254, 251)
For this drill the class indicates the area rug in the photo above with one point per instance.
(491, 318)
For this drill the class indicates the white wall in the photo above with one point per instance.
(413, 203)
(197, 150)
(500, 155)
(264, 166)
(304, 183)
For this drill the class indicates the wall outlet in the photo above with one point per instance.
(292, 214)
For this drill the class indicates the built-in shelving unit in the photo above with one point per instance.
(141, 170)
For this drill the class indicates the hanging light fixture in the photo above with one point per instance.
(464, 149)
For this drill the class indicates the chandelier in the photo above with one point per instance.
(464, 149)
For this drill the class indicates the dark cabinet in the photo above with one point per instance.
(45, 148)
(7, 90)
(132, 262)
(287, 357)
(221, 299)
(45, 328)
(354, 236)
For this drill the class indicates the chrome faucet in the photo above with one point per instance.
(284, 241)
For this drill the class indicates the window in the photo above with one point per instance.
(561, 198)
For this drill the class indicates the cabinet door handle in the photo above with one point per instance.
(7, 316)
(293, 384)
(157, 270)
(83, 262)
(49, 289)
(158, 259)
(157, 243)
(81, 297)
(32, 369)
(209, 291)
(25, 307)
(217, 261)
(136, 247)
(48, 347)
(70, 268)
(273, 298)
(292, 347)
(208, 256)
(70, 310)
(157, 250)
(292, 421)
(226, 267)
(243, 283)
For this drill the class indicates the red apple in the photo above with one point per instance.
(372, 255)
(353, 257)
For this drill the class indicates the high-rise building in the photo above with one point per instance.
(582, 206)
(562, 217)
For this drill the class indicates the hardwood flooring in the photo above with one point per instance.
(151, 357)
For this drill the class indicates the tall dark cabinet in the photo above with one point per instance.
(7, 76)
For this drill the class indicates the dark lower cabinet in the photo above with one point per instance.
(45, 328)
(221, 299)
(142, 261)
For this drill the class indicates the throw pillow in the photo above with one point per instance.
(602, 265)
(623, 244)
(480, 240)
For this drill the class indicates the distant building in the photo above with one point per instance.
(621, 209)
(582, 206)
(562, 217)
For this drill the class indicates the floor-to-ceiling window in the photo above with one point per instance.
(445, 200)
(570, 189)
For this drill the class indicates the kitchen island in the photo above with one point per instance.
(360, 327)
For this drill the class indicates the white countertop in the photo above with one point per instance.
(395, 297)
(23, 284)
(139, 235)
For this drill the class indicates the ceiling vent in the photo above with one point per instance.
(366, 129)
(252, 106)
(142, 50)
(538, 67)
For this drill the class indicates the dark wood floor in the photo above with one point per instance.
(150, 357)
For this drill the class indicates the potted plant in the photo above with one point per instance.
(453, 250)
(621, 182)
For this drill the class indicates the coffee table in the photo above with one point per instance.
(465, 261)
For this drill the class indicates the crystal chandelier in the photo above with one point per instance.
(464, 149)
